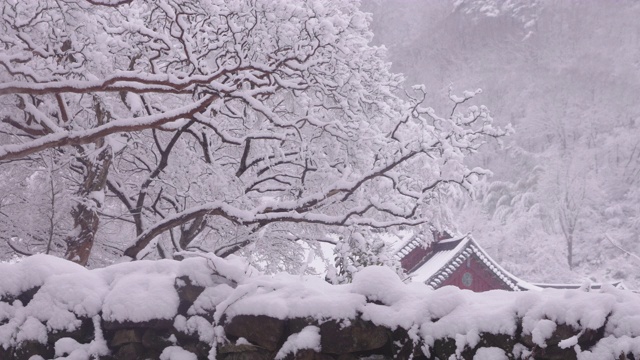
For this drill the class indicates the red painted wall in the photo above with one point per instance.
(482, 279)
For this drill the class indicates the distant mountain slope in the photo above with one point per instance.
(566, 74)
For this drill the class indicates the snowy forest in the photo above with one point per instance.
(139, 130)
(563, 203)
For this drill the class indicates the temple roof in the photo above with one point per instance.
(434, 262)
(446, 256)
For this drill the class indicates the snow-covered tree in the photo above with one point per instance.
(226, 125)
(33, 207)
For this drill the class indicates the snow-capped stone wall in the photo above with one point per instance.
(205, 307)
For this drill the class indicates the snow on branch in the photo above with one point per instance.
(109, 2)
(225, 125)
(9, 152)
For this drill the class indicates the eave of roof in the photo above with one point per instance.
(595, 286)
(440, 258)
(410, 244)
(448, 255)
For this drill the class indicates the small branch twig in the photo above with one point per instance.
(621, 249)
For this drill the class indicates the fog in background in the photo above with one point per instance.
(564, 201)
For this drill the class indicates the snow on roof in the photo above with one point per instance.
(511, 280)
(448, 255)
(440, 257)
(617, 284)
(410, 240)
(409, 244)
(400, 240)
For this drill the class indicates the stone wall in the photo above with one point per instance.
(263, 336)
(453, 324)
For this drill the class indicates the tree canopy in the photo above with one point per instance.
(253, 126)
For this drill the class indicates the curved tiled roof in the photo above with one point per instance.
(446, 256)
(435, 262)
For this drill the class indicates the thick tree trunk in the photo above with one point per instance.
(85, 215)
(570, 251)
(80, 243)
(568, 224)
(91, 194)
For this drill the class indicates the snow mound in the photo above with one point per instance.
(129, 298)
(32, 272)
(490, 353)
(66, 294)
(308, 338)
(177, 353)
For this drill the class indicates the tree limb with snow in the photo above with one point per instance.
(220, 126)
